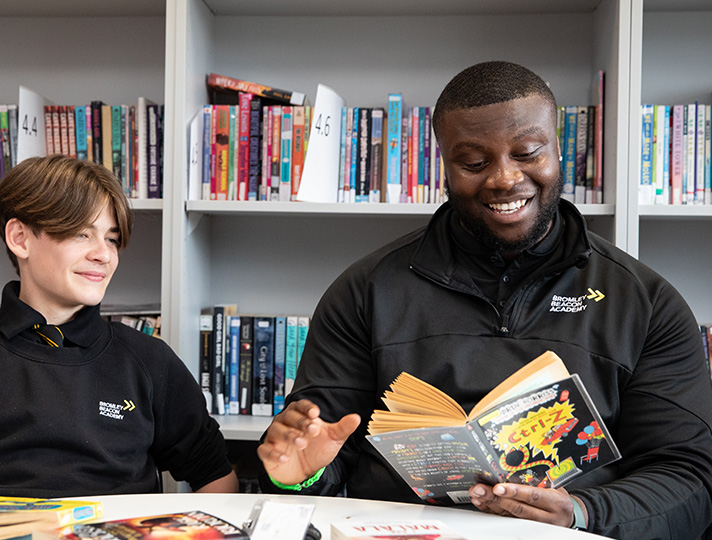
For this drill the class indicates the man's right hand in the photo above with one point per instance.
(298, 443)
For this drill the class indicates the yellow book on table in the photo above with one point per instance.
(20, 516)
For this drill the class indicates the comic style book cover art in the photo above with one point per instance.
(21, 515)
(192, 525)
(544, 437)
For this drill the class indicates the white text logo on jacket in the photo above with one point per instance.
(575, 304)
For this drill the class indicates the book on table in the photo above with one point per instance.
(19, 516)
(189, 525)
(395, 530)
(538, 427)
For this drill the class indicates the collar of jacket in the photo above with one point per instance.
(435, 259)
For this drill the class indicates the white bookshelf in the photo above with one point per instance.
(671, 64)
(277, 258)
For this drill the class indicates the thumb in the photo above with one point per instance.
(346, 426)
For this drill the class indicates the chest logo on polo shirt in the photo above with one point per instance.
(574, 304)
(116, 410)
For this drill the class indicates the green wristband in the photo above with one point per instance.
(302, 485)
(579, 520)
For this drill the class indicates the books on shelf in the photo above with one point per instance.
(126, 139)
(675, 165)
(145, 318)
(249, 369)
(397, 529)
(538, 427)
(180, 525)
(20, 516)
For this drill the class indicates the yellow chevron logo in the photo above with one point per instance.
(595, 295)
(129, 405)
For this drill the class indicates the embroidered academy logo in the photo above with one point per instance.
(116, 410)
(574, 304)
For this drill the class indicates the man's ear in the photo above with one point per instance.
(16, 234)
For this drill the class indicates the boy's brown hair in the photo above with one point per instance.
(61, 196)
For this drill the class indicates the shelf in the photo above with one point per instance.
(146, 204)
(243, 428)
(352, 209)
(82, 8)
(677, 211)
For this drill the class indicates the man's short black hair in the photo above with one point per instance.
(487, 83)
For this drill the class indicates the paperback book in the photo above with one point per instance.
(539, 427)
(395, 530)
(182, 525)
(20, 516)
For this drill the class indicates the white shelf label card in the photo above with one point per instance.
(320, 178)
(31, 125)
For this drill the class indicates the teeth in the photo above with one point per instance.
(508, 208)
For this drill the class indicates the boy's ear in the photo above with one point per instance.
(16, 234)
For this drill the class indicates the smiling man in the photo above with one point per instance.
(87, 407)
(475, 295)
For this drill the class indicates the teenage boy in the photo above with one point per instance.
(466, 301)
(87, 407)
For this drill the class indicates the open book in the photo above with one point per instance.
(538, 427)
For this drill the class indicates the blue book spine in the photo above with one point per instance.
(263, 367)
(285, 174)
(354, 155)
(207, 136)
(280, 337)
(302, 331)
(234, 370)
(290, 362)
(427, 180)
(666, 157)
(393, 150)
(708, 155)
(569, 153)
(80, 125)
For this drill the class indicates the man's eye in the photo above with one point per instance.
(475, 166)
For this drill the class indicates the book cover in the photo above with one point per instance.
(266, 160)
(581, 152)
(232, 151)
(205, 358)
(413, 155)
(96, 131)
(57, 130)
(523, 432)
(396, 530)
(207, 151)
(20, 516)
(353, 170)
(290, 360)
(245, 376)
(285, 171)
(253, 169)
(223, 83)
(263, 366)
(180, 525)
(243, 149)
(700, 155)
(569, 152)
(280, 350)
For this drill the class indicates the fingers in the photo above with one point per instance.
(539, 504)
(341, 430)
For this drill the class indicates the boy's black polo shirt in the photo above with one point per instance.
(98, 417)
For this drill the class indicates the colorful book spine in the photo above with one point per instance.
(207, 144)
(263, 367)
(342, 156)
(422, 134)
(353, 171)
(393, 148)
(71, 132)
(590, 154)
(659, 148)
(280, 339)
(569, 153)
(413, 154)
(233, 395)
(405, 155)
(222, 151)
(645, 191)
(232, 166)
(676, 154)
(205, 358)
(154, 151)
(666, 156)
(364, 155)
(285, 172)
(49, 137)
(298, 125)
(276, 152)
(700, 154)
(708, 155)
(290, 360)
(243, 171)
(253, 168)
(302, 332)
(57, 130)
(376, 165)
(97, 148)
(266, 153)
(691, 145)
(246, 355)
(581, 149)
(427, 177)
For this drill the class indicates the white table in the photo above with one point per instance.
(235, 508)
